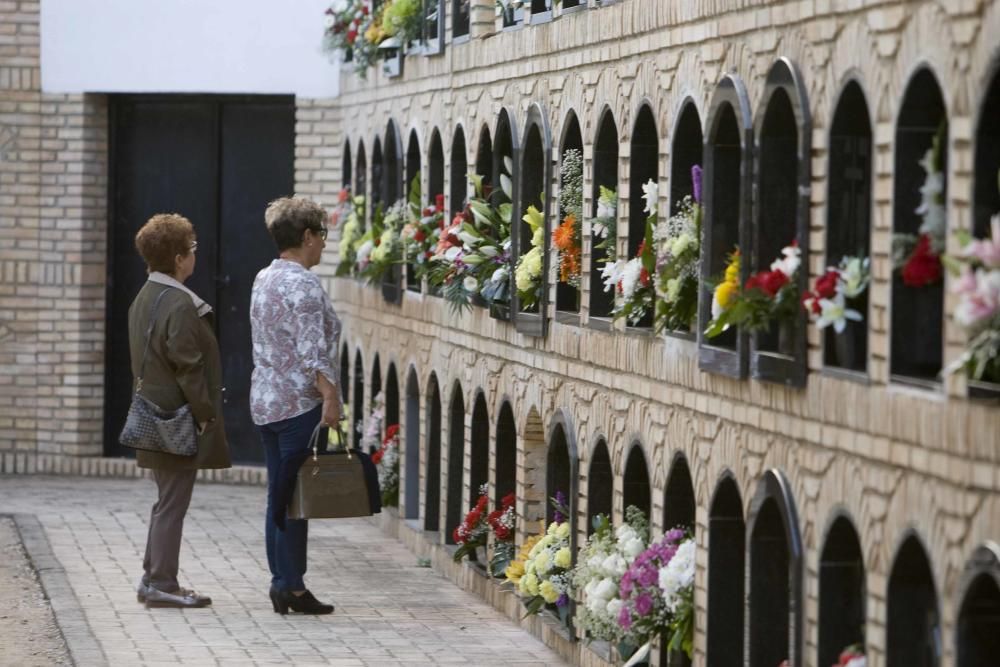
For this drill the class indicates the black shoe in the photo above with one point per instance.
(180, 598)
(306, 603)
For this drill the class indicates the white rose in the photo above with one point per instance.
(470, 284)
(596, 605)
(614, 608)
(606, 589)
(633, 547)
(330, 21)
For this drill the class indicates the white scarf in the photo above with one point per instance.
(163, 279)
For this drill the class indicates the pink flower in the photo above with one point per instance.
(986, 250)
(625, 618)
(644, 604)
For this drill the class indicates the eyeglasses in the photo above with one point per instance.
(321, 232)
(193, 247)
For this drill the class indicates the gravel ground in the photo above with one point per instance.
(29, 636)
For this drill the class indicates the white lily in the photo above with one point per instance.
(599, 229)
(834, 311)
(611, 274)
(790, 261)
(650, 192)
(489, 251)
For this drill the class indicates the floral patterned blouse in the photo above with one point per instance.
(295, 334)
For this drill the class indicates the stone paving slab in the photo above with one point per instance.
(389, 611)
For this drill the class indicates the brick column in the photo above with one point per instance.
(481, 18)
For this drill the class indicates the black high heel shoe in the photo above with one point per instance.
(306, 603)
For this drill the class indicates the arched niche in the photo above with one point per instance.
(479, 446)
(505, 454)
(456, 461)
(378, 176)
(913, 625)
(841, 591)
(535, 178)
(411, 447)
(686, 151)
(600, 485)
(412, 161)
(726, 539)
(460, 20)
(605, 173)
(358, 409)
(678, 501)
(435, 170)
(775, 602)
(635, 486)
(376, 384)
(361, 172)
(725, 222)
(392, 188)
(977, 639)
(783, 132)
(644, 166)
(459, 179)
(986, 192)
(391, 396)
(345, 166)
(413, 178)
(916, 344)
(505, 149)
(568, 294)
(345, 374)
(848, 221)
(484, 155)
(561, 463)
(432, 479)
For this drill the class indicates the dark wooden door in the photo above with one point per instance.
(217, 161)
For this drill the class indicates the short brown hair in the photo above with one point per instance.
(163, 237)
(288, 218)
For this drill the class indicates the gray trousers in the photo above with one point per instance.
(166, 525)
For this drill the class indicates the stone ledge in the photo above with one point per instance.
(22, 463)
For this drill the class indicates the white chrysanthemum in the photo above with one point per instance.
(612, 273)
(614, 608)
(633, 547)
(606, 589)
(470, 284)
(630, 277)
(678, 575)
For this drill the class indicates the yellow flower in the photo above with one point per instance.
(529, 585)
(725, 292)
(564, 558)
(733, 270)
(514, 572)
(553, 527)
(549, 592)
(543, 562)
(562, 531)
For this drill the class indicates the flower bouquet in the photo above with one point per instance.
(421, 234)
(352, 214)
(918, 257)
(386, 461)
(602, 562)
(834, 291)
(978, 309)
(633, 279)
(678, 262)
(766, 297)
(546, 578)
(472, 255)
(472, 533)
(371, 427)
(502, 522)
(384, 249)
(657, 595)
(566, 238)
(528, 273)
(356, 28)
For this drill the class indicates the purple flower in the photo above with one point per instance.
(644, 604)
(562, 601)
(625, 587)
(560, 499)
(625, 618)
(696, 182)
(648, 576)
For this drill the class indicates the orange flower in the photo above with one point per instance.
(569, 264)
(565, 233)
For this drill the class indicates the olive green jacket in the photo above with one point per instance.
(183, 366)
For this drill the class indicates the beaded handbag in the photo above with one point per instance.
(150, 427)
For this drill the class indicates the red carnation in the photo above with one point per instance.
(508, 500)
(456, 536)
(644, 277)
(502, 532)
(439, 202)
(826, 284)
(923, 267)
(364, 9)
(810, 301)
(391, 432)
(428, 254)
(481, 503)
(768, 282)
(419, 236)
(351, 36)
(377, 456)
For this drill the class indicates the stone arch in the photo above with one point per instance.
(479, 444)
(432, 476)
(531, 473)
(391, 395)
(679, 504)
(600, 483)
(686, 151)
(533, 166)
(776, 564)
(561, 466)
(411, 447)
(346, 165)
(458, 171)
(392, 156)
(358, 392)
(977, 634)
(913, 619)
(842, 591)
(726, 539)
(605, 171)
(361, 171)
(345, 373)
(505, 453)
(506, 146)
(484, 154)
(571, 138)
(377, 195)
(456, 461)
(986, 153)
(636, 486)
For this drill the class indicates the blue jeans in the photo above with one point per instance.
(286, 549)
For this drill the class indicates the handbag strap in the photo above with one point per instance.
(149, 334)
(314, 440)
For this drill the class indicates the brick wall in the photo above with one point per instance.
(53, 192)
(894, 458)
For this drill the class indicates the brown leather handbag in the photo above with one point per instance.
(330, 485)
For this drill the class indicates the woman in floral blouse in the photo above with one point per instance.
(294, 384)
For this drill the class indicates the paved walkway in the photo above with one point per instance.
(389, 610)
